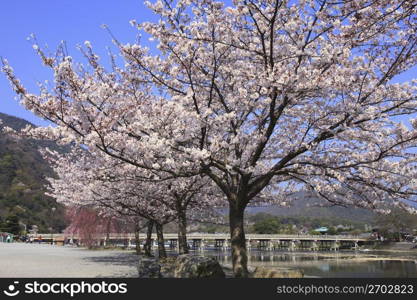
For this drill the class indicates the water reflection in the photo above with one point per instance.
(332, 264)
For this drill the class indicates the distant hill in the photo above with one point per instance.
(22, 179)
(308, 206)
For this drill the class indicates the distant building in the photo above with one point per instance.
(322, 230)
(34, 229)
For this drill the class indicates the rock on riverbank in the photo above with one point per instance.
(194, 266)
(182, 266)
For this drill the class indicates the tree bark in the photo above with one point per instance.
(137, 239)
(182, 233)
(108, 231)
(238, 241)
(148, 243)
(161, 243)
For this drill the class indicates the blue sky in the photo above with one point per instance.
(52, 21)
(73, 21)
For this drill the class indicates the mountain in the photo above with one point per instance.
(22, 179)
(308, 206)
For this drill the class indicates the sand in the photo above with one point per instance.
(34, 260)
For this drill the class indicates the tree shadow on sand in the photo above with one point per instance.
(117, 259)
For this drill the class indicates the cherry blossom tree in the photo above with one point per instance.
(190, 198)
(137, 224)
(263, 97)
(84, 179)
(90, 224)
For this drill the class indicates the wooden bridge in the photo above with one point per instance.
(222, 241)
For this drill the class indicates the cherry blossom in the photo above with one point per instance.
(263, 97)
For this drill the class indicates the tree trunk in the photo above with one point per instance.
(148, 243)
(108, 231)
(137, 240)
(238, 241)
(182, 233)
(161, 243)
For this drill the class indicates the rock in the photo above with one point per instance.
(183, 266)
(149, 268)
(264, 272)
(188, 266)
(167, 266)
(167, 271)
(168, 260)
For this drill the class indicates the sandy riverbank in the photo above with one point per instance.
(34, 260)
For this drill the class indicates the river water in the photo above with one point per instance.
(372, 264)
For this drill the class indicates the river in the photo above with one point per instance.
(372, 264)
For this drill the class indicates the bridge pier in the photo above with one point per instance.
(225, 245)
(196, 243)
(323, 245)
(283, 244)
(221, 244)
(335, 245)
(202, 245)
(261, 244)
(356, 245)
(218, 243)
(303, 244)
(292, 246)
(248, 244)
(277, 244)
(173, 244)
(314, 246)
(154, 243)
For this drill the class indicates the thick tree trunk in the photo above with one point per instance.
(161, 243)
(137, 239)
(148, 243)
(182, 233)
(238, 241)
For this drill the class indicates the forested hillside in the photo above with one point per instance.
(310, 206)
(22, 179)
